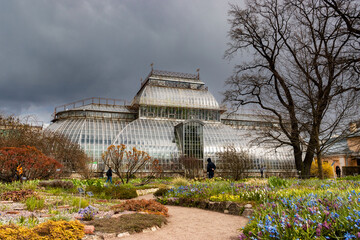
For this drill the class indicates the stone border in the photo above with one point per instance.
(142, 192)
(227, 207)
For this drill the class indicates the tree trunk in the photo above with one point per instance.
(319, 161)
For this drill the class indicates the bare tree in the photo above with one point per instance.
(193, 167)
(349, 14)
(127, 163)
(304, 70)
(233, 162)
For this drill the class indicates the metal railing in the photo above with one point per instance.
(88, 101)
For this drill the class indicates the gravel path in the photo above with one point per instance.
(193, 223)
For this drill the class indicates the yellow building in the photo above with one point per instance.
(345, 152)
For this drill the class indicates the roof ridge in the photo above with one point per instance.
(175, 74)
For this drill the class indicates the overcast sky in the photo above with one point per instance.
(56, 52)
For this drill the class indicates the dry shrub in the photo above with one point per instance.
(193, 167)
(57, 184)
(126, 163)
(17, 196)
(149, 206)
(233, 162)
(128, 223)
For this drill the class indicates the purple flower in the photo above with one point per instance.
(326, 225)
(318, 232)
(242, 236)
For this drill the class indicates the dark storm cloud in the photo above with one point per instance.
(55, 52)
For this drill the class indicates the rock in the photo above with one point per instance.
(152, 229)
(248, 206)
(89, 229)
(116, 215)
(211, 206)
(226, 211)
(18, 209)
(6, 202)
(12, 212)
(203, 204)
(234, 209)
(219, 207)
(108, 235)
(247, 212)
(63, 207)
(92, 237)
(227, 204)
(125, 234)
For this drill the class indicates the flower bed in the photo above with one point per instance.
(327, 211)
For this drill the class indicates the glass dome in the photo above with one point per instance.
(176, 97)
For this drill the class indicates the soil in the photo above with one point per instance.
(193, 223)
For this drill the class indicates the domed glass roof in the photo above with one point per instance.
(176, 97)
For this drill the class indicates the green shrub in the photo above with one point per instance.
(121, 192)
(95, 189)
(180, 181)
(277, 182)
(33, 203)
(76, 202)
(161, 192)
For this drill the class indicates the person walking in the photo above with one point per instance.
(210, 168)
(262, 172)
(109, 175)
(338, 171)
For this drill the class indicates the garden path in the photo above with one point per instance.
(193, 224)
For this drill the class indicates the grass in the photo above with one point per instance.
(33, 203)
(128, 223)
(76, 202)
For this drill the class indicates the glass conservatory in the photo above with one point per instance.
(172, 115)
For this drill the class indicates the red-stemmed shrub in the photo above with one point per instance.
(17, 196)
(33, 164)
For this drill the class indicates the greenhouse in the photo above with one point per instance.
(172, 115)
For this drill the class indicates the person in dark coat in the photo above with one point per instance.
(210, 168)
(109, 175)
(262, 172)
(338, 171)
